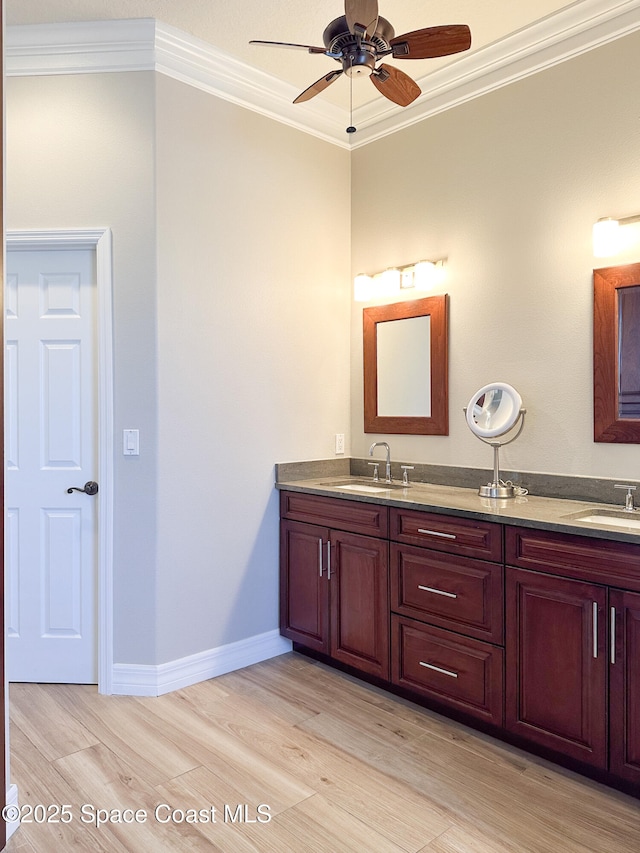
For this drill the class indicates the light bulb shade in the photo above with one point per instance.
(389, 282)
(362, 288)
(425, 275)
(606, 238)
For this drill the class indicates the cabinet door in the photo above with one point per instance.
(624, 682)
(557, 663)
(359, 589)
(304, 610)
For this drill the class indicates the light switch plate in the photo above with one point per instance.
(131, 442)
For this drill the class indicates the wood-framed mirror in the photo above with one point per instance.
(406, 382)
(616, 354)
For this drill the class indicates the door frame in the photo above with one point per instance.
(98, 240)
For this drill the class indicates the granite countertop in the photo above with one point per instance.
(526, 511)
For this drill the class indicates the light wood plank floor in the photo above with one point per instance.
(322, 763)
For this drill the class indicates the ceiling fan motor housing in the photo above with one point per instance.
(359, 63)
(358, 56)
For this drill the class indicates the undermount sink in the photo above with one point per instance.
(370, 486)
(609, 517)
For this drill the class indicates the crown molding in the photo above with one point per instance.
(33, 50)
(148, 45)
(196, 63)
(581, 27)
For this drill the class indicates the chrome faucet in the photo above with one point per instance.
(388, 465)
(629, 504)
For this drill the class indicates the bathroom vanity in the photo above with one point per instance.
(516, 617)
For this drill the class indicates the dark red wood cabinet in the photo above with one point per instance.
(334, 586)
(573, 647)
(533, 632)
(556, 664)
(450, 591)
(447, 611)
(454, 670)
(624, 685)
(304, 599)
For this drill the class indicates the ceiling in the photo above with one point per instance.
(228, 27)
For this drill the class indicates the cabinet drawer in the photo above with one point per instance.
(582, 557)
(454, 592)
(457, 671)
(352, 516)
(447, 533)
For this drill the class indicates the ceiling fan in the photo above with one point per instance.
(361, 38)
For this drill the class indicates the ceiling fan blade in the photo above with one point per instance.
(362, 12)
(395, 85)
(432, 42)
(317, 87)
(308, 47)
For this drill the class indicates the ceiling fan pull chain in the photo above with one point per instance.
(351, 128)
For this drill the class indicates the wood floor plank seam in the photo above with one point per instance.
(341, 766)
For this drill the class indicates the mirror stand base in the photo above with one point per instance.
(497, 490)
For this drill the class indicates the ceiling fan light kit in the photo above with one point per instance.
(361, 38)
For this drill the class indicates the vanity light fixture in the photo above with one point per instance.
(390, 281)
(362, 287)
(419, 276)
(607, 238)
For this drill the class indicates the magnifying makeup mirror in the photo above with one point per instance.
(493, 411)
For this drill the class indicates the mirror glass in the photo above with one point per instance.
(405, 392)
(405, 367)
(616, 354)
(629, 352)
(493, 410)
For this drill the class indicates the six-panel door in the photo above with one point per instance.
(51, 445)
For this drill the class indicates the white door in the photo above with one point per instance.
(50, 429)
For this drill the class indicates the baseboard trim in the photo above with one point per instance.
(12, 800)
(148, 680)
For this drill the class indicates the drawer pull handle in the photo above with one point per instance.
(437, 533)
(437, 591)
(439, 669)
(320, 556)
(613, 635)
(328, 560)
(595, 629)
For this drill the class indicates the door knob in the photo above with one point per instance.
(89, 488)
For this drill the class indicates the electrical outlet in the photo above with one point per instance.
(339, 442)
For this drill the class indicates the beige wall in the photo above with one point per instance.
(231, 238)
(80, 154)
(508, 187)
(231, 330)
(253, 352)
